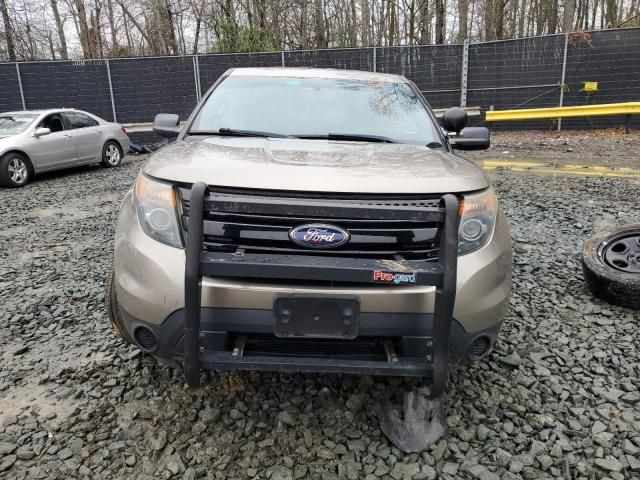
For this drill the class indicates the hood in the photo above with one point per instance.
(315, 166)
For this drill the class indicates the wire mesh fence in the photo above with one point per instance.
(521, 73)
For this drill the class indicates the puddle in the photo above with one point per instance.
(550, 168)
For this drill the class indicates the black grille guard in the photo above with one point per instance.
(440, 273)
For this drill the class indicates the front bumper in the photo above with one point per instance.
(150, 288)
(223, 328)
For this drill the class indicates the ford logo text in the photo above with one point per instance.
(319, 235)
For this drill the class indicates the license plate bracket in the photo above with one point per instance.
(316, 316)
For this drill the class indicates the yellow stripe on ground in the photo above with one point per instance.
(572, 169)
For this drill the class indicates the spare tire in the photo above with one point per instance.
(611, 266)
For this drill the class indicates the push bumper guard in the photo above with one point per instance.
(441, 274)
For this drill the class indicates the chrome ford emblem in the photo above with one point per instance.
(319, 235)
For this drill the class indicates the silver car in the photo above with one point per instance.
(37, 141)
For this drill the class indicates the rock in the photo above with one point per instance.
(609, 394)
(280, 472)
(159, 441)
(610, 464)
(450, 468)
(603, 439)
(25, 453)
(287, 418)
(502, 457)
(65, 453)
(598, 427)
(7, 447)
(512, 359)
(354, 403)
(7, 462)
(8, 420)
(190, 474)
(173, 467)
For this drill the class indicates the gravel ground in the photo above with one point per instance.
(608, 148)
(559, 397)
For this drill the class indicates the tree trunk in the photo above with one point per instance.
(8, 31)
(366, 27)
(318, 15)
(425, 23)
(567, 16)
(197, 34)
(611, 13)
(463, 15)
(440, 21)
(521, 17)
(112, 28)
(60, 29)
(85, 37)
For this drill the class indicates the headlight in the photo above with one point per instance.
(157, 212)
(477, 217)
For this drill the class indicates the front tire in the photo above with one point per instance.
(15, 170)
(111, 154)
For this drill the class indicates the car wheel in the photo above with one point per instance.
(113, 312)
(111, 154)
(611, 266)
(15, 170)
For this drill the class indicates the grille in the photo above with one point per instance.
(269, 234)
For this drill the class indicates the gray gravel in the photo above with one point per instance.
(559, 397)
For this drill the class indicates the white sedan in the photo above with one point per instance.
(35, 141)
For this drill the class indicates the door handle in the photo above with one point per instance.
(67, 136)
(98, 132)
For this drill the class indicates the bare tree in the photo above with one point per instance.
(8, 31)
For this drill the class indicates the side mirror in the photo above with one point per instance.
(454, 119)
(166, 125)
(472, 138)
(41, 132)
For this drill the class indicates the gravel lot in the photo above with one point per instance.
(559, 397)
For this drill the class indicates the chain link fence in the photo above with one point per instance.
(544, 71)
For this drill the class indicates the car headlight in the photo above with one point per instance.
(157, 210)
(477, 218)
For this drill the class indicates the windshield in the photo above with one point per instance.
(317, 107)
(13, 123)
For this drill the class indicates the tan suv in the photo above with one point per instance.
(312, 220)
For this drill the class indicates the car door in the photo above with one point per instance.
(55, 149)
(86, 135)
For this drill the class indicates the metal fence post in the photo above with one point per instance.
(282, 55)
(196, 76)
(465, 73)
(113, 101)
(374, 59)
(24, 104)
(564, 72)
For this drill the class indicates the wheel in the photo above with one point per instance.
(15, 170)
(611, 266)
(111, 154)
(113, 312)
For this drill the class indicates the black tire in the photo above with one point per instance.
(113, 312)
(15, 170)
(604, 281)
(111, 154)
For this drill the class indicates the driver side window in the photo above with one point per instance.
(53, 122)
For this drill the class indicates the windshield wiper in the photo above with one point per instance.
(232, 132)
(350, 137)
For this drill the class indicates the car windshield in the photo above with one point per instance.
(341, 109)
(13, 123)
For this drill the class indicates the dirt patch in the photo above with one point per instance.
(604, 148)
